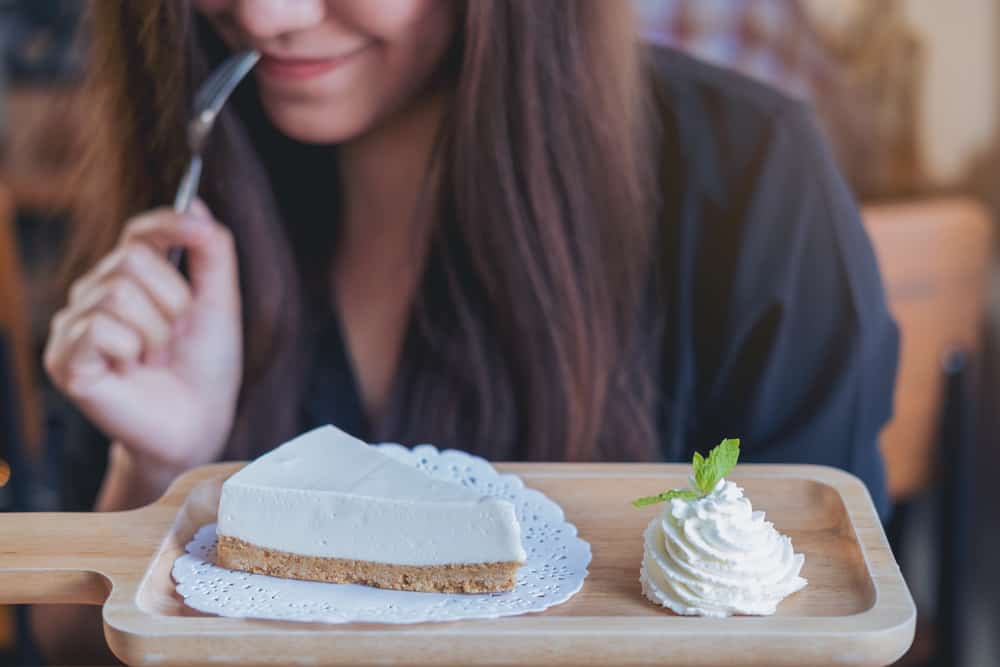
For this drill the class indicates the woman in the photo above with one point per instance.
(496, 225)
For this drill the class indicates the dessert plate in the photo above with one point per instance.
(855, 611)
(554, 572)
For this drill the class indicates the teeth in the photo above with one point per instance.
(716, 557)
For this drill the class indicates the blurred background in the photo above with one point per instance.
(908, 93)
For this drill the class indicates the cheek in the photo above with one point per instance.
(393, 15)
(415, 35)
(412, 32)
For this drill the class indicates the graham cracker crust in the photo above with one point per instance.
(235, 554)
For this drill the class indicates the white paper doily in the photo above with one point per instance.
(554, 572)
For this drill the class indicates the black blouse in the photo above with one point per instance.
(777, 325)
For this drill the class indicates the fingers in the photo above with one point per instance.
(114, 339)
(122, 298)
(161, 281)
(116, 321)
(107, 336)
(212, 260)
(136, 286)
(211, 257)
(140, 251)
(63, 345)
(198, 207)
(129, 306)
(87, 348)
(141, 263)
(210, 246)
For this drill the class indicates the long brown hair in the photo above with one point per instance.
(528, 338)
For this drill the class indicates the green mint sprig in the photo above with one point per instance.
(707, 473)
(683, 494)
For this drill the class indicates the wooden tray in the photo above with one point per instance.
(855, 611)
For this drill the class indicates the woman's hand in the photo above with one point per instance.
(153, 361)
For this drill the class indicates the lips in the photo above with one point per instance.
(302, 69)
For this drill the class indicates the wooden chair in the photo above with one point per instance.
(14, 324)
(10, 481)
(935, 258)
(13, 331)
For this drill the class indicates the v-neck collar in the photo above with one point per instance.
(334, 395)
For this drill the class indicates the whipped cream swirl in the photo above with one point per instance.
(716, 557)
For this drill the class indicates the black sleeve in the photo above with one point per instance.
(77, 456)
(796, 349)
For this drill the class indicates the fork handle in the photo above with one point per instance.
(182, 201)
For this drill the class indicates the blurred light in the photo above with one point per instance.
(4, 472)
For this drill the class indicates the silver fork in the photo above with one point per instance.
(208, 102)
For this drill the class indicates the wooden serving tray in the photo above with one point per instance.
(855, 611)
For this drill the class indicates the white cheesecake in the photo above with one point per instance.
(328, 507)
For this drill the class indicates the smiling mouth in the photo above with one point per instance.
(302, 69)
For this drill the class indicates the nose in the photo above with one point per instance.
(268, 19)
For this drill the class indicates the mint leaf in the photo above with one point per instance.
(698, 461)
(703, 474)
(721, 460)
(707, 473)
(683, 494)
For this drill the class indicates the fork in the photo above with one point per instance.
(208, 102)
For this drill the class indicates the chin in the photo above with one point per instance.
(322, 125)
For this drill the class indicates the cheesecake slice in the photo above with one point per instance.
(328, 507)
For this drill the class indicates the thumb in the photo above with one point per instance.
(212, 259)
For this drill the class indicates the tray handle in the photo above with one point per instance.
(56, 558)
